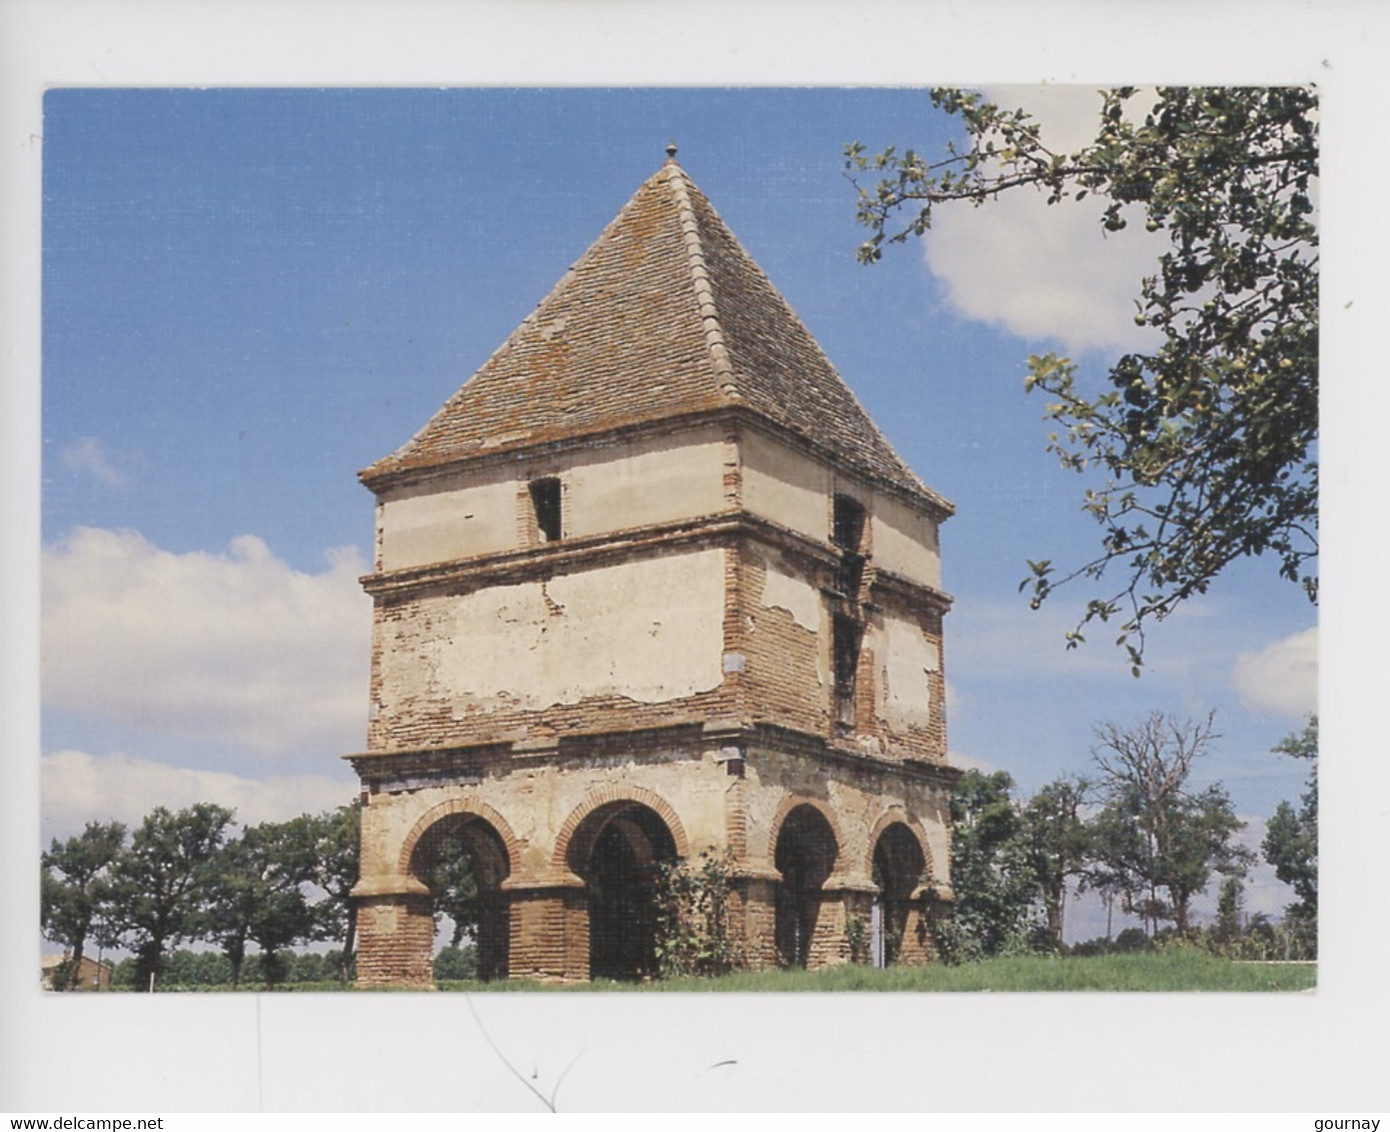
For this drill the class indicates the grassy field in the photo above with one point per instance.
(1175, 970)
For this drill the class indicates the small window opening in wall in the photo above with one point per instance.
(545, 501)
(848, 636)
(848, 535)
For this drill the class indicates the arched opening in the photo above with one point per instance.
(805, 855)
(463, 860)
(899, 866)
(618, 850)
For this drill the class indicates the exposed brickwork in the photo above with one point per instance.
(758, 899)
(915, 945)
(827, 947)
(735, 627)
(893, 816)
(426, 725)
(549, 934)
(867, 721)
(466, 806)
(785, 685)
(395, 938)
(936, 740)
(607, 796)
(736, 814)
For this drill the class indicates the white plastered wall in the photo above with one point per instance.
(790, 488)
(784, 590)
(653, 481)
(785, 486)
(606, 488)
(650, 630)
(905, 541)
(420, 526)
(906, 657)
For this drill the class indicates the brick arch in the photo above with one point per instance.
(789, 803)
(606, 796)
(461, 806)
(898, 815)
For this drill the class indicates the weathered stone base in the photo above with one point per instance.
(550, 934)
(395, 941)
(578, 835)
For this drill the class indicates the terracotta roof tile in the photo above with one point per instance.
(665, 315)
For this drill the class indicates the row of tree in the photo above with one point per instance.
(190, 876)
(187, 969)
(1137, 834)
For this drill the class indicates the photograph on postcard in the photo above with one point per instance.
(875, 549)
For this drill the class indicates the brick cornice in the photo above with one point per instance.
(719, 529)
(506, 456)
(530, 563)
(424, 765)
(515, 750)
(444, 763)
(803, 743)
(469, 808)
(887, 583)
(606, 799)
(738, 415)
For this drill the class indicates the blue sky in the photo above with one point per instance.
(249, 295)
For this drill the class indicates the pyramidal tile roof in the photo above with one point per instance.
(664, 316)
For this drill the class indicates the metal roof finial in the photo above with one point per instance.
(671, 151)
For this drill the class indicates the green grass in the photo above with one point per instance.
(1174, 970)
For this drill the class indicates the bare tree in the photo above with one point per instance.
(1154, 835)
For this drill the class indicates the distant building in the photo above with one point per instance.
(652, 583)
(91, 975)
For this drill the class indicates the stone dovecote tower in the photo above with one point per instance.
(652, 583)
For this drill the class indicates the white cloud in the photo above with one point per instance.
(1042, 271)
(1281, 679)
(79, 787)
(1004, 637)
(970, 762)
(90, 455)
(235, 647)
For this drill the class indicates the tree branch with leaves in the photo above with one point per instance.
(1204, 447)
(1291, 835)
(1059, 844)
(75, 892)
(159, 882)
